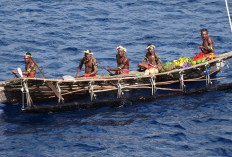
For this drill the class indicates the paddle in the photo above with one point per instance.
(20, 72)
(110, 72)
(50, 85)
(16, 76)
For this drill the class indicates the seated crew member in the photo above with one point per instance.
(30, 66)
(153, 59)
(90, 65)
(122, 61)
(207, 47)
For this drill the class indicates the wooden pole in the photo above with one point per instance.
(50, 85)
(111, 74)
(228, 12)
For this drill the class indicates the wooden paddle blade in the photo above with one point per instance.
(111, 74)
(53, 88)
(20, 72)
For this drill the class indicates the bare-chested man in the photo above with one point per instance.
(30, 66)
(90, 65)
(122, 61)
(153, 59)
(207, 47)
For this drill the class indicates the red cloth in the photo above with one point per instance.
(199, 56)
(89, 75)
(124, 71)
(30, 76)
(151, 66)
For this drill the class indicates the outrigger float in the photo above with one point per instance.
(28, 91)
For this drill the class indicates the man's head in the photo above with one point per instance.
(27, 57)
(204, 33)
(121, 50)
(150, 48)
(88, 54)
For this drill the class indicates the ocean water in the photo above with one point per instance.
(57, 33)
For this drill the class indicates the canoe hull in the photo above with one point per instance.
(11, 91)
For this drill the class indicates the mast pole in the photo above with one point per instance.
(228, 12)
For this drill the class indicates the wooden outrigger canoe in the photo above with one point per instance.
(34, 90)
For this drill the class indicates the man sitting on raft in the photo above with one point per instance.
(153, 59)
(90, 65)
(122, 61)
(207, 47)
(30, 67)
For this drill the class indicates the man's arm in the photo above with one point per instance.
(120, 67)
(145, 59)
(114, 69)
(79, 68)
(123, 65)
(24, 73)
(211, 45)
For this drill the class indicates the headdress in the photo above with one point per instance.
(150, 46)
(121, 47)
(27, 55)
(88, 52)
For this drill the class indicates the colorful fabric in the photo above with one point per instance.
(199, 56)
(89, 75)
(30, 76)
(151, 66)
(123, 71)
(208, 56)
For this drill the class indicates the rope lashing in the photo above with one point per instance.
(60, 98)
(91, 92)
(28, 97)
(207, 74)
(119, 86)
(182, 85)
(23, 95)
(220, 64)
(153, 85)
(44, 82)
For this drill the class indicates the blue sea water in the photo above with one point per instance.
(57, 33)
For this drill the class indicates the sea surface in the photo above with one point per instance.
(57, 32)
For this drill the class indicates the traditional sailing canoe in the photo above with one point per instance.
(33, 90)
(124, 101)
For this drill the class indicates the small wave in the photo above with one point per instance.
(88, 148)
(72, 49)
(2, 43)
